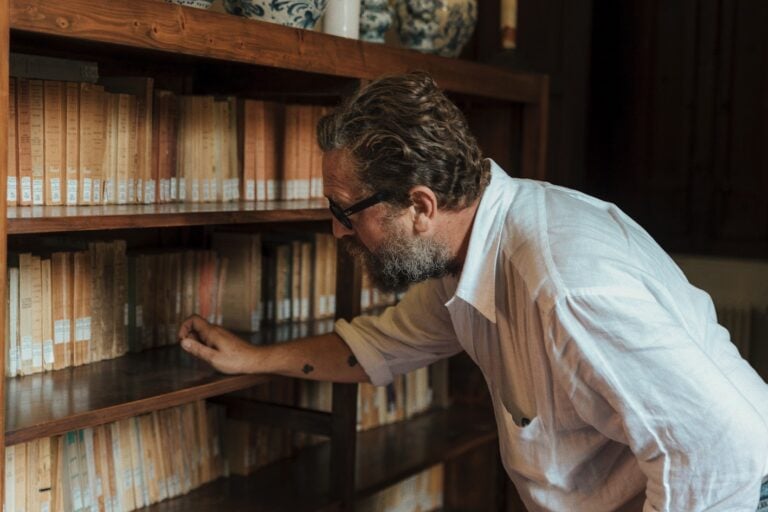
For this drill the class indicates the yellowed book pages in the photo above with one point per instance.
(109, 475)
(119, 297)
(133, 181)
(121, 453)
(205, 171)
(27, 317)
(44, 480)
(20, 460)
(57, 464)
(55, 142)
(306, 138)
(32, 466)
(61, 308)
(203, 441)
(13, 147)
(99, 306)
(161, 456)
(61, 292)
(37, 311)
(112, 152)
(306, 281)
(92, 147)
(12, 339)
(82, 308)
(24, 136)
(37, 137)
(140, 486)
(291, 146)
(9, 487)
(148, 457)
(99, 468)
(72, 144)
(47, 315)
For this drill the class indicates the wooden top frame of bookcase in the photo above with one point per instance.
(53, 219)
(156, 25)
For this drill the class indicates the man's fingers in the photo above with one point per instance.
(191, 326)
(198, 349)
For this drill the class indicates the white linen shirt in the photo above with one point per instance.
(583, 325)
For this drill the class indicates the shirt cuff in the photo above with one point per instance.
(370, 359)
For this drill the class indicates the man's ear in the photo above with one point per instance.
(423, 208)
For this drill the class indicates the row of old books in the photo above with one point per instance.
(277, 279)
(72, 308)
(371, 298)
(120, 466)
(121, 141)
(422, 492)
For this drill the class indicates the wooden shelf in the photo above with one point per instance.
(385, 456)
(51, 219)
(51, 403)
(158, 26)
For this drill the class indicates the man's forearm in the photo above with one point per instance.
(325, 357)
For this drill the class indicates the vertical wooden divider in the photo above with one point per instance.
(4, 84)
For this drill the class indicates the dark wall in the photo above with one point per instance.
(678, 120)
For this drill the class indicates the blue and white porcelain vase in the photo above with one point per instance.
(441, 27)
(375, 20)
(292, 13)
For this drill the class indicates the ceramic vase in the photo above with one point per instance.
(441, 27)
(342, 18)
(375, 20)
(292, 13)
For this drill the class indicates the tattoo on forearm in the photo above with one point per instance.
(352, 361)
(308, 368)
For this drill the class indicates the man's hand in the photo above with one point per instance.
(217, 346)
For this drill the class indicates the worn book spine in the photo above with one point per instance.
(72, 144)
(12, 191)
(54, 142)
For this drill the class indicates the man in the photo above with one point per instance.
(611, 380)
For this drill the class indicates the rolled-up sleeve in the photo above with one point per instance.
(414, 333)
(635, 373)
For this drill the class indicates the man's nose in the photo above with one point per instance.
(340, 230)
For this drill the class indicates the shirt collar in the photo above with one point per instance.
(477, 283)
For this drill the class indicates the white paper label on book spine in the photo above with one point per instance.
(210, 189)
(37, 354)
(304, 309)
(128, 478)
(55, 190)
(255, 320)
(77, 498)
(331, 304)
(11, 188)
(195, 190)
(83, 328)
(26, 189)
(139, 316)
(322, 305)
(45, 507)
(48, 352)
(296, 308)
(271, 190)
(286, 309)
(250, 190)
(37, 191)
(132, 190)
(165, 190)
(109, 192)
(61, 330)
(261, 190)
(122, 191)
(97, 191)
(175, 188)
(71, 191)
(87, 190)
(182, 192)
(13, 361)
(26, 348)
(149, 191)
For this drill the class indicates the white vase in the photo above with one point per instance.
(342, 18)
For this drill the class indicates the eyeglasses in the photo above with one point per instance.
(343, 215)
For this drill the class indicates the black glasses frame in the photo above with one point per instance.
(342, 215)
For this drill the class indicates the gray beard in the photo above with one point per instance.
(401, 261)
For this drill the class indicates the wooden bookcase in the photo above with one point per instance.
(205, 52)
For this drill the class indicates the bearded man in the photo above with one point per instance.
(612, 383)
